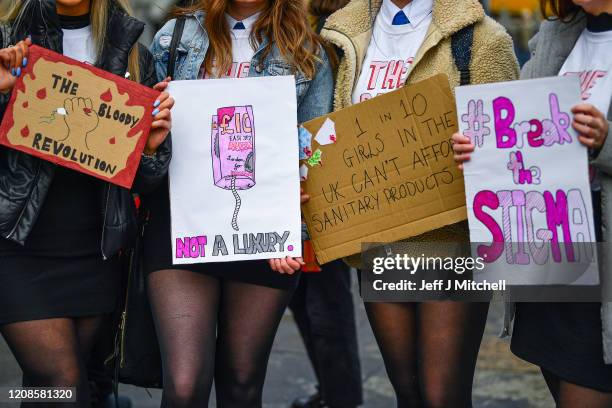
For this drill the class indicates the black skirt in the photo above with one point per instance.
(564, 339)
(157, 251)
(40, 287)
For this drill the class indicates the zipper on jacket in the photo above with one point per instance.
(104, 223)
(27, 201)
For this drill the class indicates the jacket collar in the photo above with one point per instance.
(567, 34)
(449, 16)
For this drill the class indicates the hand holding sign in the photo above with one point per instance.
(82, 117)
(12, 60)
(162, 121)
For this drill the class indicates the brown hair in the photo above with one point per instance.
(283, 22)
(563, 9)
(322, 8)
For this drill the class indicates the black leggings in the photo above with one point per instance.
(429, 349)
(54, 353)
(212, 328)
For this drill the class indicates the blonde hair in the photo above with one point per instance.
(99, 14)
(283, 22)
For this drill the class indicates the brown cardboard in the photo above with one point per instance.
(390, 175)
(79, 116)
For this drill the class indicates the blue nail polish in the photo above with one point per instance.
(156, 104)
(155, 112)
(13, 72)
(25, 61)
(19, 71)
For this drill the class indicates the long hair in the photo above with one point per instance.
(324, 8)
(564, 10)
(99, 14)
(283, 22)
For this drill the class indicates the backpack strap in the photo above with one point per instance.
(461, 46)
(179, 26)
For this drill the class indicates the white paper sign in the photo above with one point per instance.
(234, 175)
(527, 184)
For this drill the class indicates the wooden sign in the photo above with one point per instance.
(79, 116)
(382, 170)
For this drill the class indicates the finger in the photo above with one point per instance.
(89, 103)
(161, 86)
(13, 58)
(18, 58)
(286, 268)
(586, 141)
(23, 47)
(462, 158)
(271, 264)
(162, 124)
(585, 130)
(463, 148)
(5, 59)
(460, 138)
(304, 198)
(586, 108)
(583, 118)
(166, 104)
(293, 264)
(301, 261)
(276, 263)
(163, 115)
(460, 166)
(81, 103)
(160, 99)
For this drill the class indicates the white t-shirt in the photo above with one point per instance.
(79, 45)
(591, 61)
(242, 52)
(392, 48)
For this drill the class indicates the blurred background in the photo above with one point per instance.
(520, 17)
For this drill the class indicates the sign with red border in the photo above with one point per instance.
(79, 116)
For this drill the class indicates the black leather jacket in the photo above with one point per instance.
(25, 180)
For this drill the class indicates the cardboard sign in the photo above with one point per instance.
(527, 184)
(79, 116)
(386, 174)
(234, 181)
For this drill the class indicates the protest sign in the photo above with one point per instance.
(79, 116)
(527, 185)
(234, 180)
(382, 170)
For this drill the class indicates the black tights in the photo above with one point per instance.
(568, 395)
(210, 328)
(54, 353)
(429, 349)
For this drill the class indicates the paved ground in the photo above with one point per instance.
(502, 381)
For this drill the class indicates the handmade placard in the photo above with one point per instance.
(527, 184)
(79, 116)
(382, 170)
(234, 178)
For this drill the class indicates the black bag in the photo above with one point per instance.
(136, 358)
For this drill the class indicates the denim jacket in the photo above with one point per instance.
(314, 96)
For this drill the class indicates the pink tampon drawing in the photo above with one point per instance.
(233, 152)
